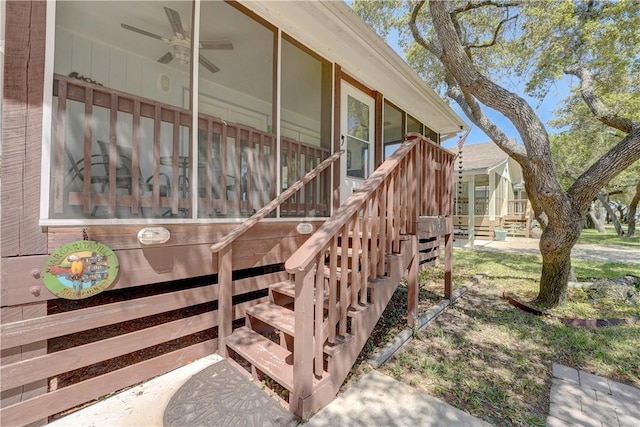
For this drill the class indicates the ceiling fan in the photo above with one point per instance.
(180, 43)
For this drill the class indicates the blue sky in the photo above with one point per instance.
(544, 108)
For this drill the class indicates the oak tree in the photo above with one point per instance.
(479, 50)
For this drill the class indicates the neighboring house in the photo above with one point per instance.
(492, 182)
(158, 129)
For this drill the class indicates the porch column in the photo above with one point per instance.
(492, 196)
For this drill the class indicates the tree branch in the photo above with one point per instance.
(467, 102)
(416, 32)
(474, 112)
(597, 107)
(456, 60)
(540, 176)
(492, 42)
(471, 6)
(620, 157)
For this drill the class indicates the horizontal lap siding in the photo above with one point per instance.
(186, 255)
(16, 332)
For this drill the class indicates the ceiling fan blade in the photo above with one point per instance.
(146, 33)
(166, 58)
(208, 64)
(216, 44)
(176, 22)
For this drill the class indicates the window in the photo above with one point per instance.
(413, 125)
(236, 143)
(122, 125)
(306, 106)
(393, 129)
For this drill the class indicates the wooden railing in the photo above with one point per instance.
(140, 156)
(296, 159)
(414, 181)
(236, 168)
(516, 207)
(513, 206)
(222, 251)
(481, 206)
(95, 99)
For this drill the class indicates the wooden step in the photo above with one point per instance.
(340, 344)
(349, 252)
(372, 287)
(267, 356)
(327, 272)
(283, 293)
(289, 289)
(274, 315)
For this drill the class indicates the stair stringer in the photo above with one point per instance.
(363, 323)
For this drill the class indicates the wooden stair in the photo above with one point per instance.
(308, 335)
(264, 346)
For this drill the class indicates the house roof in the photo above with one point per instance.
(482, 156)
(337, 33)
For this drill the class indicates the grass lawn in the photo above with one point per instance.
(494, 361)
(591, 236)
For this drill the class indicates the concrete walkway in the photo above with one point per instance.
(528, 246)
(379, 400)
(139, 406)
(579, 398)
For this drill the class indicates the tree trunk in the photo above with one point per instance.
(597, 224)
(602, 196)
(555, 246)
(622, 215)
(633, 206)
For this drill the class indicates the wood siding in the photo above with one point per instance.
(22, 128)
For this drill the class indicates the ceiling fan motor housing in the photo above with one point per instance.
(180, 48)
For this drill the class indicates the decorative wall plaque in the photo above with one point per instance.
(80, 269)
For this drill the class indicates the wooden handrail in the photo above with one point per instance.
(269, 207)
(373, 222)
(307, 253)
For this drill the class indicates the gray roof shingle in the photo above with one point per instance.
(482, 156)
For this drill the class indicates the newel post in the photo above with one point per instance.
(225, 295)
(414, 285)
(303, 343)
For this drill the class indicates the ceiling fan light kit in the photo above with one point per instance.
(180, 44)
